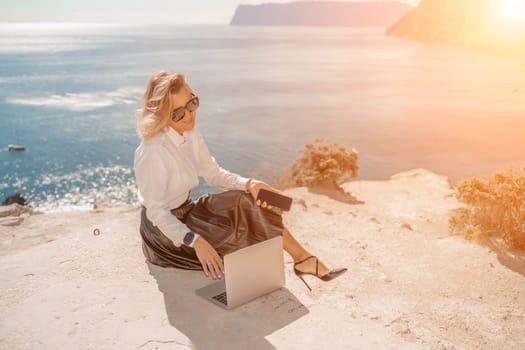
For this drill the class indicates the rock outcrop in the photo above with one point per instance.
(484, 24)
(321, 13)
(14, 214)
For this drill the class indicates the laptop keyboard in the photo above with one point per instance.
(221, 298)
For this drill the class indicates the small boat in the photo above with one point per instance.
(15, 148)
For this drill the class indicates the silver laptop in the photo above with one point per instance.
(248, 274)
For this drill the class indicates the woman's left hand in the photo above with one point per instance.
(253, 188)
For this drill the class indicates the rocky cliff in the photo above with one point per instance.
(321, 13)
(476, 23)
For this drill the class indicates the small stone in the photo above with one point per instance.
(302, 202)
(406, 226)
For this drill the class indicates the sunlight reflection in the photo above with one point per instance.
(513, 10)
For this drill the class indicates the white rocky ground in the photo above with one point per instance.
(410, 285)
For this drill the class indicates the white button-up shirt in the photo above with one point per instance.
(167, 167)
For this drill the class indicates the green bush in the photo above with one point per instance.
(495, 208)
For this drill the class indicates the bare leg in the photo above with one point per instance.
(298, 253)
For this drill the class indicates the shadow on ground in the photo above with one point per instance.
(211, 327)
(336, 193)
(512, 258)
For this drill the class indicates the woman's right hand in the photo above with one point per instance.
(254, 186)
(209, 258)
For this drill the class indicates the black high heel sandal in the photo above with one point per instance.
(326, 277)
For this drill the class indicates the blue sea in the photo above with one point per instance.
(69, 93)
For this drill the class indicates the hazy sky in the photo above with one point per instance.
(125, 11)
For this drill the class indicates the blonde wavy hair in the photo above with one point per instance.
(154, 115)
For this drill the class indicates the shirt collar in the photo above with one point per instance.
(175, 137)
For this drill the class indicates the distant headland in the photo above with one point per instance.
(321, 13)
(485, 24)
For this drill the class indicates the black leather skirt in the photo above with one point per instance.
(228, 221)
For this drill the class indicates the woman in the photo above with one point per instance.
(178, 232)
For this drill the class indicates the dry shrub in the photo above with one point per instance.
(495, 208)
(320, 164)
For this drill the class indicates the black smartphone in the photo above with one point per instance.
(275, 199)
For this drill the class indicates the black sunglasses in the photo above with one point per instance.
(180, 113)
